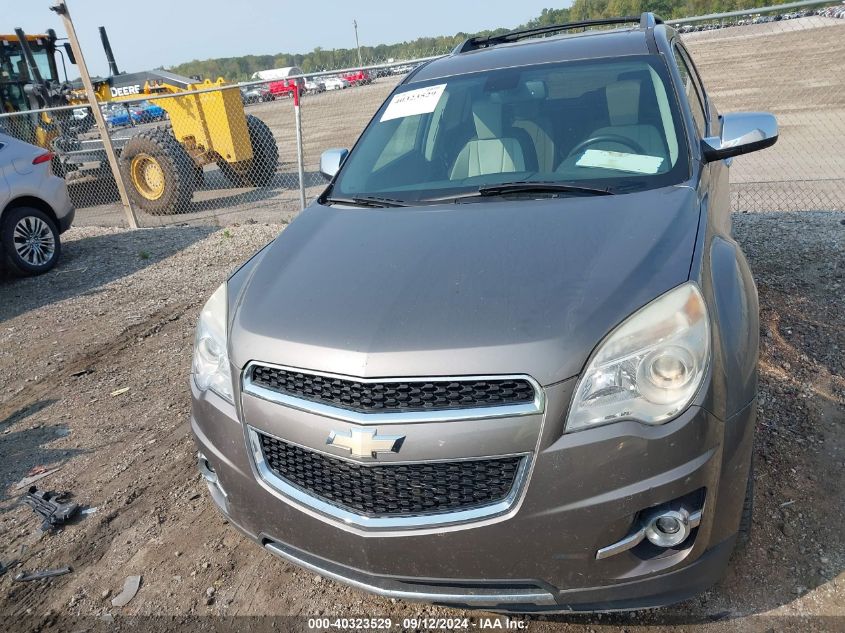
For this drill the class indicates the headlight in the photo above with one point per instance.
(211, 359)
(650, 367)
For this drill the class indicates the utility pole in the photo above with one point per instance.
(61, 8)
(357, 45)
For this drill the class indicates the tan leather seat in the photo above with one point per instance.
(527, 117)
(623, 106)
(488, 152)
(543, 144)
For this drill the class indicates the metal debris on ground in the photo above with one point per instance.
(26, 576)
(55, 507)
(130, 588)
(34, 476)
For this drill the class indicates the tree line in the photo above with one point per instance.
(241, 68)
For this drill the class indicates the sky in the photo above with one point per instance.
(146, 34)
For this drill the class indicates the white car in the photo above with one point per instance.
(34, 208)
(315, 86)
(335, 83)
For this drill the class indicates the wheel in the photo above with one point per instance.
(259, 171)
(744, 532)
(159, 173)
(30, 241)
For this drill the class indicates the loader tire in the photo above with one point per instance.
(259, 171)
(158, 172)
(265, 152)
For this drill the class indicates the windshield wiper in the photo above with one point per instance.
(539, 186)
(368, 201)
(524, 186)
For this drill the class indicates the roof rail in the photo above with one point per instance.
(646, 21)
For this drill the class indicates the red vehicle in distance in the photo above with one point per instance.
(358, 78)
(285, 87)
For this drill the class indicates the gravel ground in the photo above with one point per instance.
(119, 313)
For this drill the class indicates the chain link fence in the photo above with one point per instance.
(789, 64)
(222, 155)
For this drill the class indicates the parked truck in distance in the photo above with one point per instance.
(286, 87)
(358, 78)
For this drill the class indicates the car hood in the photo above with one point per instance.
(494, 287)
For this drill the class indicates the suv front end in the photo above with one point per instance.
(499, 387)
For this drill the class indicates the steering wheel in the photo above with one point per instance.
(608, 138)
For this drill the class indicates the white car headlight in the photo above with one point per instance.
(650, 367)
(211, 358)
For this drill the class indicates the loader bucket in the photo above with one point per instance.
(210, 122)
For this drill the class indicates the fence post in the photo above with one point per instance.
(61, 8)
(299, 154)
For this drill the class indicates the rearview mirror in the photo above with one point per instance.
(331, 160)
(69, 52)
(742, 132)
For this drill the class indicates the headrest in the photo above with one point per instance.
(623, 102)
(487, 116)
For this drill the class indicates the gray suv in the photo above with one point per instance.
(508, 359)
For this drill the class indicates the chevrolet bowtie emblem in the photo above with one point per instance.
(365, 442)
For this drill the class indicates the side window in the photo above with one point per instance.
(692, 92)
(404, 140)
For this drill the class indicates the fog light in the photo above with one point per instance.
(668, 525)
(206, 470)
(668, 529)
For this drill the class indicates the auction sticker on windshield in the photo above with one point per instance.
(638, 163)
(419, 101)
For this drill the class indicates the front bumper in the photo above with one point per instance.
(584, 493)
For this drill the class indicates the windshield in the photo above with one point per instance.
(14, 68)
(14, 73)
(609, 124)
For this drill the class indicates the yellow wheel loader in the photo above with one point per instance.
(161, 166)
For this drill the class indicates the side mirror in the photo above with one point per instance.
(331, 160)
(742, 132)
(69, 52)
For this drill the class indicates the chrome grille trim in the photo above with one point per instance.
(537, 406)
(311, 504)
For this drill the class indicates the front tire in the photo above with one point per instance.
(159, 173)
(30, 241)
(259, 171)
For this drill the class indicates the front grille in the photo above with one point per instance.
(394, 397)
(392, 490)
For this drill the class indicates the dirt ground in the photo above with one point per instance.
(94, 362)
(792, 68)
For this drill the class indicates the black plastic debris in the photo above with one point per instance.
(56, 508)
